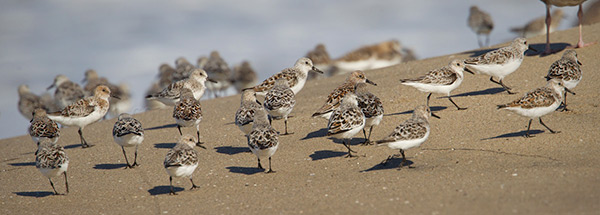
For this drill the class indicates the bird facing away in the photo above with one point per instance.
(295, 76)
(182, 160)
(263, 139)
(500, 62)
(67, 92)
(84, 112)
(409, 134)
(538, 103)
(481, 23)
(371, 107)
(244, 116)
(280, 101)
(563, 3)
(244, 76)
(52, 161)
(188, 112)
(442, 80)
(195, 82)
(218, 70)
(334, 98)
(28, 102)
(538, 26)
(568, 71)
(128, 132)
(346, 121)
(43, 127)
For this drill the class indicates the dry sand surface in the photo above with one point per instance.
(475, 161)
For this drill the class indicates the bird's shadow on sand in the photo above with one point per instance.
(490, 91)
(231, 150)
(515, 134)
(174, 125)
(320, 133)
(432, 108)
(159, 190)
(164, 145)
(23, 164)
(109, 166)
(72, 146)
(393, 163)
(541, 47)
(244, 170)
(38, 194)
(324, 154)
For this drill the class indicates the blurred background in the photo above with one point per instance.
(126, 41)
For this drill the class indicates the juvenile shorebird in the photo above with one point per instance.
(539, 102)
(568, 71)
(188, 112)
(320, 58)
(263, 139)
(196, 83)
(375, 56)
(500, 62)
(481, 23)
(52, 161)
(218, 70)
(538, 26)
(244, 116)
(182, 160)
(371, 107)
(117, 106)
(295, 76)
(280, 101)
(334, 98)
(346, 121)
(409, 134)
(563, 3)
(84, 111)
(442, 80)
(43, 127)
(243, 76)
(183, 69)
(28, 102)
(67, 92)
(128, 132)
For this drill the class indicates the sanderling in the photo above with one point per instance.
(183, 69)
(28, 102)
(218, 70)
(128, 132)
(409, 134)
(321, 60)
(244, 116)
(201, 61)
(263, 139)
(84, 111)
(346, 121)
(243, 76)
(375, 56)
(165, 75)
(117, 106)
(43, 127)
(539, 102)
(123, 104)
(442, 80)
(538, 26)
(296, 77)
(280, 101)
(500, 62)
(563, 3)
(371, 107)
(196, 83)
(567, 70)
(481, 23)
(66, 91)
(52, 161)
(188, 112)
(182, 160)
(334, 98)
(152, 104)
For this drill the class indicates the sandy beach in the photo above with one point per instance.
(476, 161)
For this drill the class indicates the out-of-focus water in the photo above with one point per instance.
(126, 41)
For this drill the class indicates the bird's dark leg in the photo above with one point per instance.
(502, 84)
(194, 186)
(429, 96)
(135, 158)
(126, 161)
(349, 150)
(365, 135)
(66, 182)
(270, 170)
(179, 128)
(457, 107)
(528, 127)
(84, 143)
(404, 160)
(171, 183)
(565, 102)
(551, 131)
(548, 21)
(259, 166)
(199, 144)
(286, 130)
(52, 184)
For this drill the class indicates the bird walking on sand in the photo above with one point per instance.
(481, 23)
(280, 101)
(84, 112)
(263, 139)
(195, 82)
(295, 76)
(182, 160)
(371, 107)
(442, 80)
(43, 127)
(346, 121)
(409, 134)
(128, 132)
(568, 71)
(334, 98)
(500, 62)
(538, 103)
(52, 161)
(244, 116)
(188, 112)
(563, 3)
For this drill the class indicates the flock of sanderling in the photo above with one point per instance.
(349, 108)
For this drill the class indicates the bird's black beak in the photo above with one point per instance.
(579, 62)
(199, 144)
(436, 116)
(50, 87)
(569, 91)
(317, 70)
(115, 96)
(370, 82)
(469, 71)
(531, 48)
(211, 80)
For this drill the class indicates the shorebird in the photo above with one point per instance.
(481, 23)
(280, 101)
(568, 71)
(28, 102)
(66, 91)
(43, 127)
(196, 83)
(182, 160)
(346, 121)
(188, 112)
(52, 161)
(375, 56)
(321, 60)
(128, 132)
(371, 107)
(244, 116)
(295, 76)
(263, 139)
(218, 70)
(334, 98)
(243, 76)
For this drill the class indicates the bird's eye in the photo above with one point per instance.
(458, 64)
